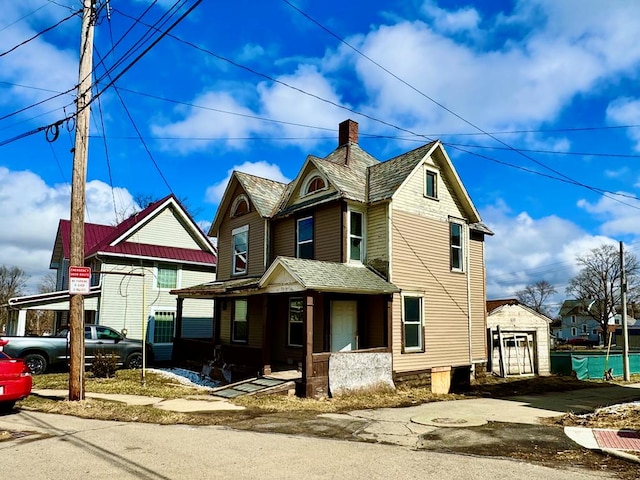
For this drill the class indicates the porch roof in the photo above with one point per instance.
(53, 301)
(219, 288)
(296, 274)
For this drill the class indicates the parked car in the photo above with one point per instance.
(41, 353)
(15, 380)
(581, 341)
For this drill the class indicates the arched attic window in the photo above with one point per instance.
(314, 183)
(240, 206)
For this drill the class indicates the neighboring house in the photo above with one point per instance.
(383, 260)
(576, 323)
(520, 339)
(134, 266)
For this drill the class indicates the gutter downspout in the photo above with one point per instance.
(468, 263)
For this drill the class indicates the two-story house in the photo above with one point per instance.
(135, 264)
(577, 324)
(354, 255)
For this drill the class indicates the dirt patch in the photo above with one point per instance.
(626, 416)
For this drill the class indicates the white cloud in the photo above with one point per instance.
(626, 111)
(464, 19)
(31, 211)
(526, 249)
(260, 169)
(620, 215)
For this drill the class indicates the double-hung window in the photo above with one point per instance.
(240, 249)
(412, 320)
(457, 257)
(431, 184)
(296, 318)
(356, 236)
(239, 331)
(304, 238)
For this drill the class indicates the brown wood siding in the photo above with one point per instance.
(327, 234)
(478, 301)
(256, 242)
(284, 238)
(374, 319)
(421, 265)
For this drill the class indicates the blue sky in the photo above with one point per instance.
(536, 102)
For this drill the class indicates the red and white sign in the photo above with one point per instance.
(79, 280)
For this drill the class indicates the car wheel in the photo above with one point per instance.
(134, 361)
(6, 407)
(36, 363)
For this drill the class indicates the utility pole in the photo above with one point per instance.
(80, 154)
(625, 328)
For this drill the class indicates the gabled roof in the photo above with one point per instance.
(572, 307)
(328, 276)
(265, 196)
(112, 240)
(386, 177)
(494, 306)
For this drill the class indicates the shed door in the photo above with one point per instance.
(344, 325)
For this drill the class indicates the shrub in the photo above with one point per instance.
(104, 365)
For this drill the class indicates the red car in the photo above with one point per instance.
(15, 380)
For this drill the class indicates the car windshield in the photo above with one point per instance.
(4, 356)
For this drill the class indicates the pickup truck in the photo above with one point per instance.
(41, 353)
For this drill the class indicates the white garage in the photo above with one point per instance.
(517, 339)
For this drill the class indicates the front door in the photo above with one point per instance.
(344, 325)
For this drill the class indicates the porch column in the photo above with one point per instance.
(307, 348)
(22, 323)
(388, 313)
(266, 336)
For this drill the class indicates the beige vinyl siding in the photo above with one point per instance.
(284, 238)
(478, 301)
(255, 266)
(165, 229)
(121, 302)
(446, 325)
(410, 197)
(377, 238)
(328, 233)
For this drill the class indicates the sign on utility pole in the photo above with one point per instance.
(80, 154)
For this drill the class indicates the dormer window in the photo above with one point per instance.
(314, 183)
(240, 206)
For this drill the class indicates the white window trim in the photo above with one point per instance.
(363, 248)
(234, 321)
(307, 182)
(237, 201)
(157, 267)
(421, 347)
(463, 242)
(429, 171)
(234, 232)
(313, 234)
(154, 310)
(574, 331)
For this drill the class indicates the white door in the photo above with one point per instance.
(344, 325)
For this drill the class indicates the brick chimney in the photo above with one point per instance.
(347, 132)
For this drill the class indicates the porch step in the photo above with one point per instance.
(254, 386)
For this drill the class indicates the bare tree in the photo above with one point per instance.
(597, 285)
(536, 295)
(41, 321)
(143, 200)
(12, 283)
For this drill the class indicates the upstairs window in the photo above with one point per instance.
(240, 243)
(457, 260)
(431, 184)
(240, 206)
(356, 236)
(304, 240)
(314, 183)
(166, 277)
(573, 319)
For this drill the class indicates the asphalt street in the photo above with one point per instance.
(46, 446)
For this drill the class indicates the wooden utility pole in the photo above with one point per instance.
(80, 154)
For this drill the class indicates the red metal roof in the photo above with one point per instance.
(98, 238)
